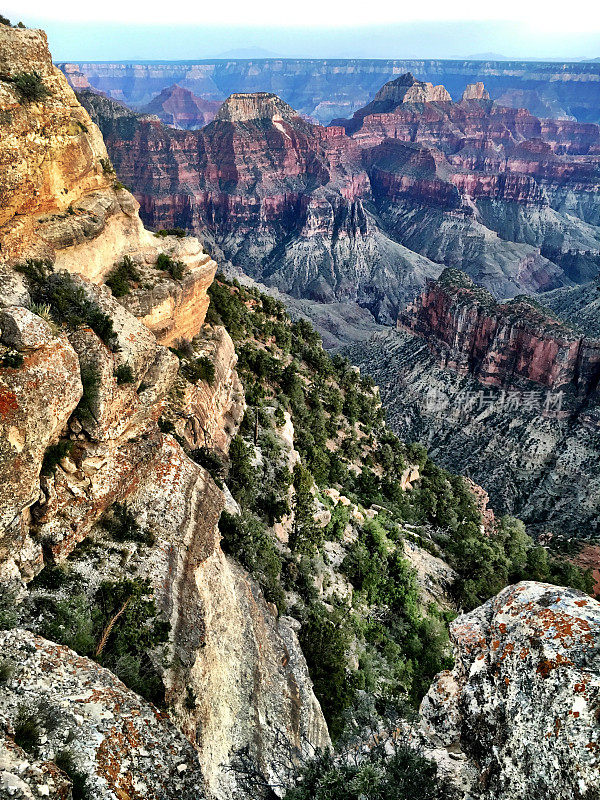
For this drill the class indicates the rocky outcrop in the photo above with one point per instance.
(37, 397)
(213, 410)
(251, 106)
(88, 719)
(499, 344)
(518, 712)
(180, 108)
(61, 200)
(325, 89)
(475, 91)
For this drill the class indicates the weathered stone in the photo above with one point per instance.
(517, 715)
(22, 330)
(36, 400)
(124, 747)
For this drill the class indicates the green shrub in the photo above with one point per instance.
(124, 374)
(27, 730)
(245, 538)
(120, 278)
(30, 87)
(180, 233)
(403, 774)
(66, 299)
(199, 369)
(54, 455)
(65, 761)
(211, 462)
(325, 638)
(107, 167)
(9, 616)
(122, 526)
(11, 360)
(90, 380)
(176, 269)
(35, 270)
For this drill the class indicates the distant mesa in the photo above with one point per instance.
(407, 89)
(476, 91)
(248, 106)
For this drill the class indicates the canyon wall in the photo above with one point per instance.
(84, 404)
(369, 208)
(500, 343)
(338, 87)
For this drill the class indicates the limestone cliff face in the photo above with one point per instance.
(79, 432)
(61, 200)
(525, 682)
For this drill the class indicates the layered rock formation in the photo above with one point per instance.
(325, 89)
(180, 108)
(366, 209)
(526, 682)
(503, 393)
(500, 344)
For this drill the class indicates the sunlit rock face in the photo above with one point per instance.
(517, 716)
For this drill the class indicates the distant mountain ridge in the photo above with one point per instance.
(327, 88)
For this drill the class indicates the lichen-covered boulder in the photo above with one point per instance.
(80, 714)
(519, 715)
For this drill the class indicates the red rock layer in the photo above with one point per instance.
(500, 344)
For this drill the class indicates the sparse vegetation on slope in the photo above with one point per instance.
(366, 635)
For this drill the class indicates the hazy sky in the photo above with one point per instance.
(313, 28)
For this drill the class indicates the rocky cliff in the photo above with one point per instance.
(366, 209)
(501, 343)
(338, 87)
(87, 396)
(505, 393)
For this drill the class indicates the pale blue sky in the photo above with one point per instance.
(379, 29)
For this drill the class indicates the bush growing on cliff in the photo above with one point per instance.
(180, 233)
(120, 278)
(124, 374)
(11, 360)
(176, 269)
(54, 455)
(118, 626)
(30, 87)
(66, 299)
(375, 775)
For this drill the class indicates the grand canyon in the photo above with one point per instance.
(234, 565)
